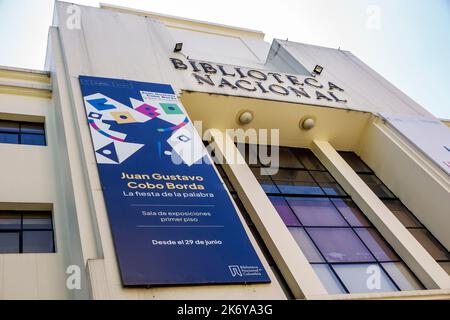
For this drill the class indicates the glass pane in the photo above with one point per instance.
(377, 186)
(354, 161)
(293, 175)
(316, 212)
(402, 276)
(261, 172)
(32, 139)
(32, 128)
(351, 213)
(288, 159)
(37, 220)
(308, 159)
(402, 213)
(426, 239)
(9, 220)
(445, 266)
(328, 279)
(9, 242)
(250, 153)
(9, 138)
(305, 243)
(268, 186)
(332, 189)
(37, 241)
(284, 211)
(9, 126)
(322, 176)
(376, 244)
(340, 245)
(359, 278)
(299, 188)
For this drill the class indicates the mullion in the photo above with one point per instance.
(21, 233)
(348, 226)
(382, 183)
(305, 229)
(289, 206)
(359, 172)
(251, 227)
(21, 229)
(343, 227)
(395, 198)
(299, 160)
(325, 260)
(330, 267)
(387, 243)
(377, 262)
(358, 236)
(293, 195)
(33, 133)
(19, 133)
(314, 179)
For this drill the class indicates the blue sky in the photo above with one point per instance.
(406, 41)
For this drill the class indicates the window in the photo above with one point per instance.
(251, 226)
(22, 133)
(417, 229)
(26, 232)
(341, 244)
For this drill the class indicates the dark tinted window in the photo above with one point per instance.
(332, 232)
(26, 232)
(418, 230)
(15, 132)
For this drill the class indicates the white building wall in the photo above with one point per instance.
(136, 48)
(63, 175)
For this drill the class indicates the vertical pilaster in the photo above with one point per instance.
(294, 266)
(404, 243)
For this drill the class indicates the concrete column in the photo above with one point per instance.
(295, 268)
(404, 243)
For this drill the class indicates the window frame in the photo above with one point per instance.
(385, 200)
(21, 228)
(317, 168)
(19, 132)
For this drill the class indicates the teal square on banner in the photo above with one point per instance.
(171, 108)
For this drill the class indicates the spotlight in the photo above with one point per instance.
(178, 47)
(245, 117)
(307, 123)
(318, 69)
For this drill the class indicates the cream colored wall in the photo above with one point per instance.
(28, 182)
(419, 184)
(341, 127)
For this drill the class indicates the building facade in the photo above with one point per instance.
(358, 207)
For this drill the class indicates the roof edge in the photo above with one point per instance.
(181, 20)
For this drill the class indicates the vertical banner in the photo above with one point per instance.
(428, 134)
(171, 218)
